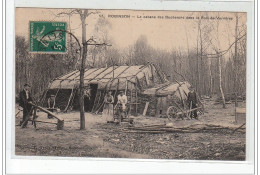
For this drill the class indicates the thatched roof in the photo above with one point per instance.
(112, 77)
(170, 88)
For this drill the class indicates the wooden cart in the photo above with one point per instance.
(179, 112)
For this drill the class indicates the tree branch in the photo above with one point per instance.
(223, 52)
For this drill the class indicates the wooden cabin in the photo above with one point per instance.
(133, 80)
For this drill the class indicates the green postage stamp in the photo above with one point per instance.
(47, 37)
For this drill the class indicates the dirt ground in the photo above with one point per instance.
(109, 140)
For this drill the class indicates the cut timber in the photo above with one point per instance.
(145, 108)
(195, 128)
(48, 112)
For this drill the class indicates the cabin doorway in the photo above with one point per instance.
(89, 96)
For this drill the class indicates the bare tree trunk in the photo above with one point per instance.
(198, 72)
(82, 70)
(210, 80)
(220, 82)
(200, 78)
(235, 63)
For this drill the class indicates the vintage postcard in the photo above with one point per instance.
(130, 84)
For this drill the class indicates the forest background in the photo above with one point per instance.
(210, 54)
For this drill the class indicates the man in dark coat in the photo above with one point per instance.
(192, 101)
(25, 98)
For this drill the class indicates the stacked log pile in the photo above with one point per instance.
(195, 128)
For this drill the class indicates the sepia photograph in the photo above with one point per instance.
(136, 84)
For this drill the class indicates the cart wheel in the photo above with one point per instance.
(172, 113)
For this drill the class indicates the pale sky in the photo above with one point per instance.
(161, 33)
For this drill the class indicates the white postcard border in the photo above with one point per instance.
(44, 165)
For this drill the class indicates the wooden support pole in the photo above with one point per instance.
(71, 94)
(95, 101)
(97, 107)
(145, 108)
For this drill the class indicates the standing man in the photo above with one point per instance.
(121, 102)
(51, 105)
(192, 101)
(51, 102)
(25, 98)
(87, 99)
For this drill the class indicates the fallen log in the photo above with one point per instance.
(152, 132)
(159, 126)
(189, 129)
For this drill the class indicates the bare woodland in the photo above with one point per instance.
(211, 69)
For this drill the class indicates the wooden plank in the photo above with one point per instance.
(46, 111)
(71, 95)
(145, 108)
